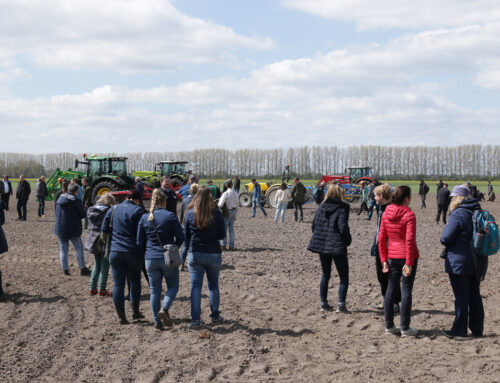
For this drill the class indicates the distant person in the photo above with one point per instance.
(443, 201)
(87, 198)
(184, 191)
(139, 185)
(331, 238)
(22, 194)
(69, 213)
(363, 198)
(74, 181)
(283, 197)
(214, 189)
(319, 193)
(95, 246)
(126, 257)
(298, 198)
(399, 255)
(186, 205)
(237, 183)
(5, 191)
(166, 188)
(439, 185)
(3, 241)
(156, 229)
(64, 189)
(231, 201)
(256, 198)
(383, 196)
(372, 203)
(422, 191)
(41, 193)
(490, 190)
(203, 229)
(465, 269)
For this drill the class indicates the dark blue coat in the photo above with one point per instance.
(69, 214)
(456, 237)
(330, 227)
(3, 240)
(185, 203)
(206, 240)
(168, 227)
(125, 222)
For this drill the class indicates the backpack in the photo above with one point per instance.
(485, 239)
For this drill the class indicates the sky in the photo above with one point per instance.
(170, 75)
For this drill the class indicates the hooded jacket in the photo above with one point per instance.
(298, 192)
(95, 215)
(456, 237)
(69, 214)
(330, 227)
(399, 227)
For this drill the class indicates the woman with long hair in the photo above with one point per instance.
(399, 255)
(464, 268)
(330, 239)
(158, 228)
(204, 227)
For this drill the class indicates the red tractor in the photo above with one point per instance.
(353, 175)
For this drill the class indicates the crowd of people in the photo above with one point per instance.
(130, 240)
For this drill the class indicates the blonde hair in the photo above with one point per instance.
(156, 200)
(384, 190)
(334, 191)
(106, 199)
(456, 201)
(194, 188)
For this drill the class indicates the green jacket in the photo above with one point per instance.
(215, 191)
(298, 192)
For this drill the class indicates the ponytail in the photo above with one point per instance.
(156, 200)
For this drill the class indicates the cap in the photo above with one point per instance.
(460, 191)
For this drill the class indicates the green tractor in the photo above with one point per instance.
(175, 170)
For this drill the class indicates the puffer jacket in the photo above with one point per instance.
(330, 227)
(69, 214)
(399, 227)
(96, 215)
(456, 237)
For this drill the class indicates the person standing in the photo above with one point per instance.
(439, 185)
(69, 213)
(231, 201)
(371, 198)
(41, 194)
(331, 238)
(22, 194)
(490, 190)
(464, 268)
(87, 198)
(6, 191)
(364, 198)
(139, 185)
(443, 201)
(156, 229)
(95, 246)
(74, 181)
(399, 255)
(283, 197)
(166, 188)
(186, 205)
(214, 189)
(237, 184)
(125, 256)
(3, 241)
(256, 198)
(203, 229)
(298, 198)
(422, 191)
(184, 191)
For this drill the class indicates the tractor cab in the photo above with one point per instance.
(357, 174)
(175, 170)
(116, 166)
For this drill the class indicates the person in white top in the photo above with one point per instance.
(231, 201)
(283, 196)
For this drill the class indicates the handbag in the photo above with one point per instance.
(106, 237)
(171, 255)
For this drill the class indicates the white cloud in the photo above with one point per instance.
(126, 36)
(384, 14)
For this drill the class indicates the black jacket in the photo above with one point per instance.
(371, 194)
(23, 190)
(3, 240)
(41, 189)
(237, 183)
(87, 196)
(443, 197)
(330, 227)
(2, 189)
(423, 189)
(171, 200)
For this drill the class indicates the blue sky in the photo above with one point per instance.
(159, 75)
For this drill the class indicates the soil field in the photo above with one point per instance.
(51, 330)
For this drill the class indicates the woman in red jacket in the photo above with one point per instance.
(399, 257)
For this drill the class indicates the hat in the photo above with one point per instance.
(460, 191)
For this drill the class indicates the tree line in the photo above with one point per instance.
(388, 162)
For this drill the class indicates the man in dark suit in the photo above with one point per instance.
(443, 201)
(22, 194)
(5, 191)
(169, 194)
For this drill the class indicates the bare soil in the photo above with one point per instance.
(51, 330)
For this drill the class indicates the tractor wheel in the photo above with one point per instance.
(102, 188)
(271, 196)
(245, 199)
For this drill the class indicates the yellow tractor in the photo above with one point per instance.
(246, 195)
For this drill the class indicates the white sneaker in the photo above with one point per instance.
(392, 331)
(409, 332)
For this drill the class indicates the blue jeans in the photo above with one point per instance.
(371, 204)
(469, 308)
(64, 249)
(100, 272)
(342, 266)
(395, 274)
(199, 264)
(41, 206)
(157, 271)
(230, 226)
(280, 211)
(256, 202)
(123, 264)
